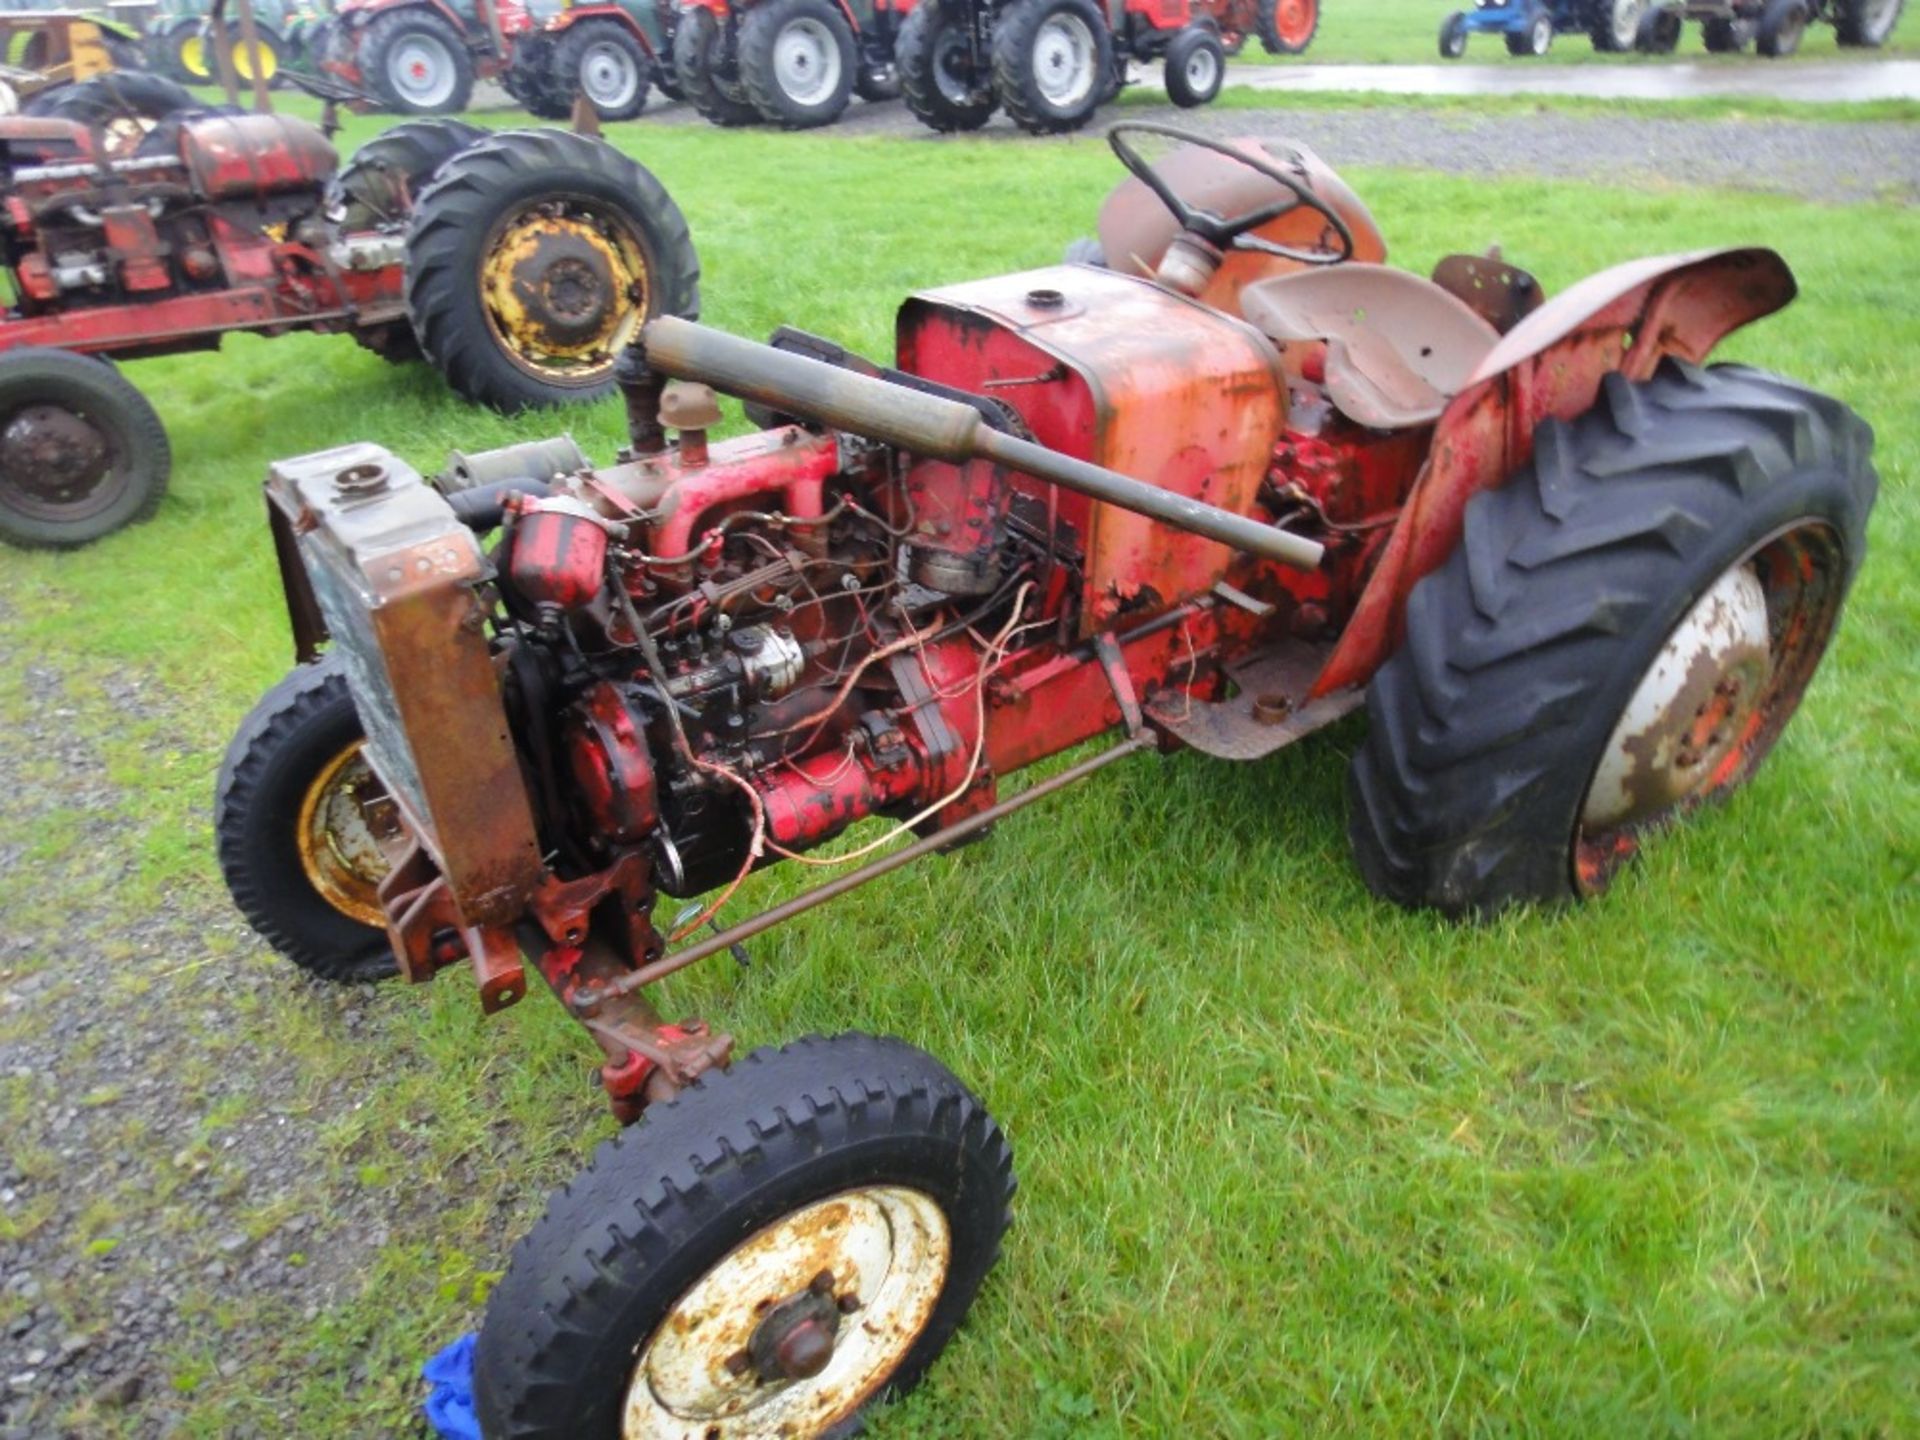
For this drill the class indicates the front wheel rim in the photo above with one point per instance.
(422, 71)
(348, 835)
(1063, 53)
(1718, 693)
(609, 76)
(1202, 71)
(876, 1258)
(1626, 22)
(1294, 22)
(564, 284)
(806, 62)
(59, 464)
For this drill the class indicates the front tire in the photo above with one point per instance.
(1659, 31)
(1051, 60)
(303, 841)
(1535, 38)
(1783, 24)
(82, 453)
(1619, 637)
(709, 78)
(1453, 36)
(417, 63)
(534, 258)
(944, 88)
(856, 1162)
(798, 59)
(1196, 65)
(1866, 23)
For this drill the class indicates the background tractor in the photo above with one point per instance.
(795, 63)
(609, 52)
(44, 51)
(518, 263)
(1776, 27)
(421, 57)
(1529, 26)
(1051, 63)
(1246, 482)
(182, 45)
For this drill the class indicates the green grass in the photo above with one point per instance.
(1291, 1160)
(1407, 32)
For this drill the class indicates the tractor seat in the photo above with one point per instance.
(1399, 348)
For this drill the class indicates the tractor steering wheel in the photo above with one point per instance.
(1233, 232)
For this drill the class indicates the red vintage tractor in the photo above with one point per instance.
(610, 53)
(519, 263)
(794, 63)
(1246, 481)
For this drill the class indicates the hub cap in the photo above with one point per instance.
(1063, 55)
(609, 76)
(1293, 22)
(56, 464)
(1715, 698)
(753, 1349)
(565, 286)
(952, 68)
(349, 835)
(1202, 70)
(806, 62)
(422, 71)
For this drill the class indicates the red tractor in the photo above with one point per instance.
(421, 57)
(519, 263)
(1216, 497)
(610, 53)
(1051, 63)
(794, 63)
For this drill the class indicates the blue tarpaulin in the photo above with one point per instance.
(449, 1404)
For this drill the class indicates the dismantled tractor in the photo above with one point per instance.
(1051, 63)
(1239, 485)
(519, 263)
(796, 63)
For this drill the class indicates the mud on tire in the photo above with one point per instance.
(665, 1202)
(1487, 726)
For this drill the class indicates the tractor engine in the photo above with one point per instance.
(206, 204)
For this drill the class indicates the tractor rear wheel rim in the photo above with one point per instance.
(878, 1256)
(1717, 695)
(1202, 70)
(953, 67)
(565, 286)
(609, 76)
(349, 836)
(1293, 22)
(57, 464)
(1063, 54)
(806, 62)
(422, 71)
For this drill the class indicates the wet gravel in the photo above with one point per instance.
(1814, 160)
(158, 1157)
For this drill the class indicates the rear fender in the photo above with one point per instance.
(568, 18)
(364, 14)
(1550, 366)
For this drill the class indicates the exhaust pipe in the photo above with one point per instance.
(937, 429)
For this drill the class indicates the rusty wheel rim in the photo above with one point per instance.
(348, 833)
(564, 284)
(59, 464)
(1293, 21)
(873, 1259)
(1719, 692)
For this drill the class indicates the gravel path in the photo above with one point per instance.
(1815, 160)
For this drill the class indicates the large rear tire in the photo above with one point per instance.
(603, 61)
(1621, 634)
(379, 183)
(943, 86)
(534, 258)
(1726, 35)
(1196, 64)
(709, 76)
(852, 1185)
(82, 453)
(1614, 25)
(416, 63)
(304, 831)
(799, 61)
(1866, 22)
(1052, 60)
(1783, 24)
(1287, 27)
(125, 105)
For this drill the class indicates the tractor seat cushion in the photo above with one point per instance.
(1398, 347)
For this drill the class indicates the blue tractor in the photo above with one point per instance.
(1528, 26)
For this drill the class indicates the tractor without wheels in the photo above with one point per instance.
(519, 263)
(793, 63)
(1243, 484)
(1774, 27)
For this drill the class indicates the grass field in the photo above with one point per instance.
(1291, 1161)
(1407, 31)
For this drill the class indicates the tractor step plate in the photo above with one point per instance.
(1267, 710)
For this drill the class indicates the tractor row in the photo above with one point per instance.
(800, 63)
(1654, 27)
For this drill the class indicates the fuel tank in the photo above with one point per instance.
(242, 156)
(1116, 370)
